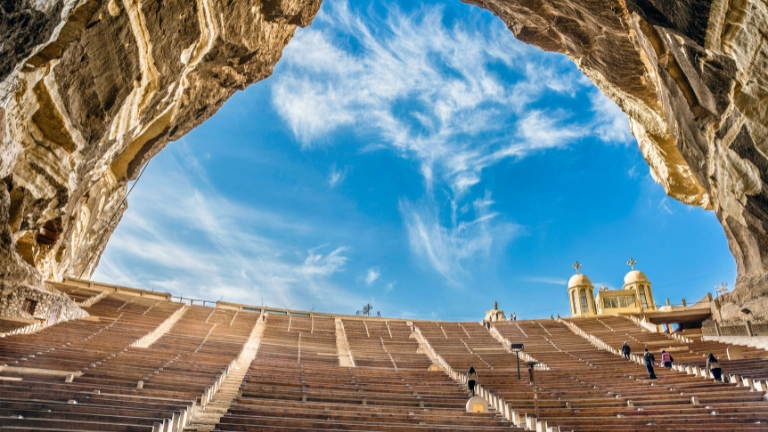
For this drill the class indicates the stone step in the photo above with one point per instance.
(207, 421)
(205, 415)
(230, 388)
(216, 410)
(199, 428)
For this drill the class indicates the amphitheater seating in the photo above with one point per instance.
(590, 389)
(465, 344)
(185, 361)
(85, 375)
(386, 344)
(32, 398)
(615, 330)
(42, 402)
(7, 325)
(116, 322)
(174, 372)
(295, 383)
(77, 293)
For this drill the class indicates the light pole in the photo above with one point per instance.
(517, 348)
(531, 365)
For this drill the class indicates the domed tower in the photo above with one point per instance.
(638, 282)
(581, 294)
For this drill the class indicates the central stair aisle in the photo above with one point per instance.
(205, 419)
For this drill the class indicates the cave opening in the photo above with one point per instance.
(396, 145)
(433, 144)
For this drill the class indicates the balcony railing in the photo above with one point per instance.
(747, 329)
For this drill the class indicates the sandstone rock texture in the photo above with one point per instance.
(51, 306)
(692, 75)
(90, 90)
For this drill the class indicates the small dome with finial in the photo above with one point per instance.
(634, 275)
(578, 279)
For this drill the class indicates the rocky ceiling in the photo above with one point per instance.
(92, 89)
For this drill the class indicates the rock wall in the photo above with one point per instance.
(92, 89)
(692, 75)
(51, 306)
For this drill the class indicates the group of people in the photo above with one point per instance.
(650, 360)
(666, 361)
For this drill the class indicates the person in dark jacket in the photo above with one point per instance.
(666, 359)
(649, 361)
(714, 366)
(625, 351)
(472, 380)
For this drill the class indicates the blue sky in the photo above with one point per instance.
(413, 155)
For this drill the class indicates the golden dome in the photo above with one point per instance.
(579, 280)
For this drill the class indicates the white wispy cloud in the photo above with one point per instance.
(546, 280)
(335, 176)
(664, 206)
(317, 264)
(610, 123)
(432, 93)
(182, 236)
(457, 99)
(448, 247)
(633, 172)
(371, 276)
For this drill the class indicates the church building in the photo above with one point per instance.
(634, 297)
(495, 314)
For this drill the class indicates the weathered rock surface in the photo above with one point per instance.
(692, 75)
(92, 89)
(51, 306)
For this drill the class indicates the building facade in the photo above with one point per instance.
(635, 296)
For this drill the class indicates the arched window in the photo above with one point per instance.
(649, 294)
(584, 304)
(643, 300)
(573, 302)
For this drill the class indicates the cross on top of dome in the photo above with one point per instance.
(631, 263)
(577, 266)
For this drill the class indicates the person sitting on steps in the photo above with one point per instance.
(472, 380)
(649, 361)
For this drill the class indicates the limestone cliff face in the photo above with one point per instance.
(90, 90)
(692, 75)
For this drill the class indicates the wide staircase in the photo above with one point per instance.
(688, 351)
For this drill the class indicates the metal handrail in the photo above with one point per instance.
(192, 301)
